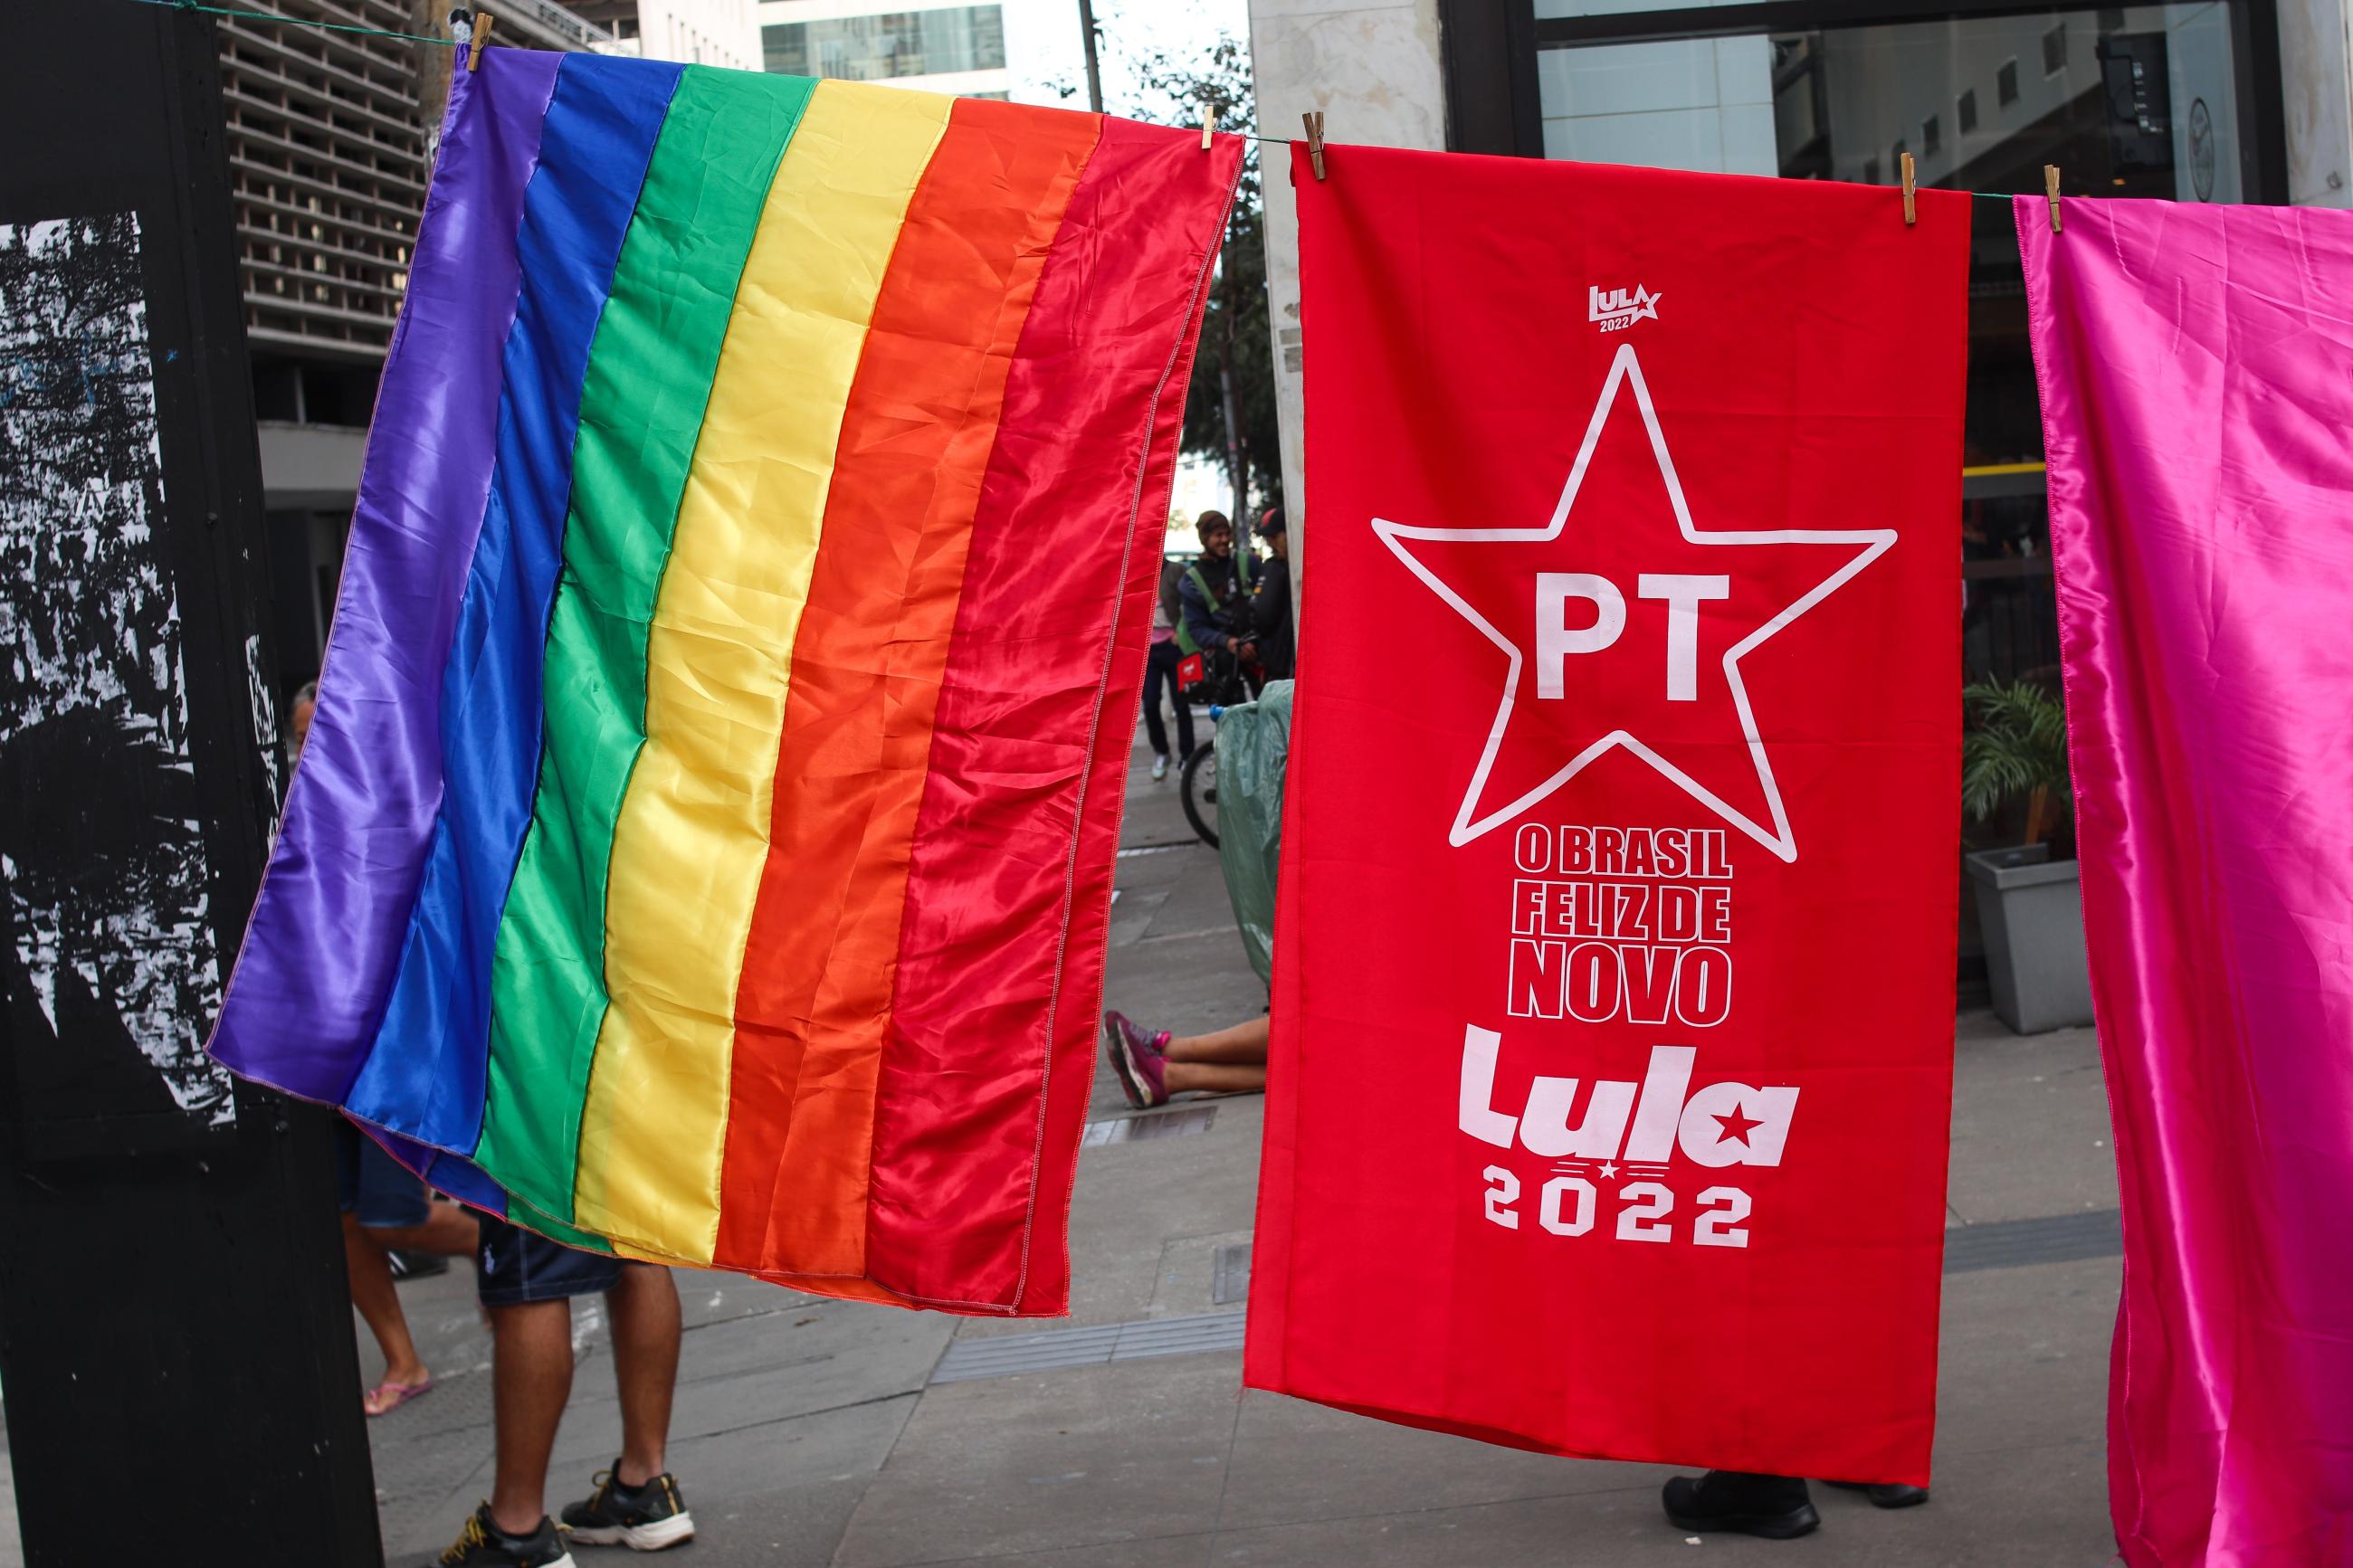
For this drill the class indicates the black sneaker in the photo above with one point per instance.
(482, 1544)
(1886, 1494)
(644, 1519)
(1775, 1507)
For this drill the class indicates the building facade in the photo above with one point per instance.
(940, 45)
(329, 149)
(694, 32)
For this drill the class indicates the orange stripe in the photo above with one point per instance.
(867, 661)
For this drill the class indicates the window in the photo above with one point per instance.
(1932, 136)
(890, 44)
(1965, 112)
(2055, 50)
(2005, 84)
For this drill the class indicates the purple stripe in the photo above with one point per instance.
(320, 952)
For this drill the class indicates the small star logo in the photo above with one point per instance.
(1608, 1170)
(1736, 1127)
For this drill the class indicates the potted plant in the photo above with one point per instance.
(2030, 899)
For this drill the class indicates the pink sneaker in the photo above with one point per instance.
(1137, 1057)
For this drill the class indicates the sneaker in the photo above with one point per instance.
(1135, 1058)
(644, 1519)
(1159, 769)
(1886, 1494)
(482, 1544)
(1775, 1507)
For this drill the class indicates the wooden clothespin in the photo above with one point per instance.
(1911, 203)
(482, 20)
(1209, 122)
(2050, 189)
(1314, 122)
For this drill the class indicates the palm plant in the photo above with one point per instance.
(2016, 745)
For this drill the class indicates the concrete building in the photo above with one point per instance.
(327, 144)
(940, 45)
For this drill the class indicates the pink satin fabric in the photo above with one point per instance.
(2197, 378)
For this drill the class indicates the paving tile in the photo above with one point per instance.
(2023, 1357)
(1098, 1457)
(1294, 1460)
(2030, 1131)
(1161, 1551)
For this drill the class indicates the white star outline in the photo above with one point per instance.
(1626, 368)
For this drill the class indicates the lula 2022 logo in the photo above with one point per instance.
(1619, 307)
(1630, 923)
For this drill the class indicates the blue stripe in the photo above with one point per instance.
(425, 1075)
(459, 1178)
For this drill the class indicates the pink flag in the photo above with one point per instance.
(2197, 376)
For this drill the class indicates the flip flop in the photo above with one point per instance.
(398, 1393)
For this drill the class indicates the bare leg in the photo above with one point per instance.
(450, 1231)
(531, 1379)
(1184, 1077)
(645, 1328)
(1244, 1045)
(379, 1305)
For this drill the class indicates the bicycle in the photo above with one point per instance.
(1198, 784)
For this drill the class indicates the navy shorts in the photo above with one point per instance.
(514, 1266)
(375, 1188)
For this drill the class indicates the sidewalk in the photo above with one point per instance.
(816, 1432)
(813, 1432)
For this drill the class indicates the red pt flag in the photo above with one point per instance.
(1614, 973)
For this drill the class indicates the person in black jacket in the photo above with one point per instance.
(1213, 593)
(1270, 614)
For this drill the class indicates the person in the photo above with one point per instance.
(526, 1285)
(1160, 670)
(297, 719)
(1151, 1064)
(1212, 594)
(1271, 616)
(385, 1205)
(1777, 1508)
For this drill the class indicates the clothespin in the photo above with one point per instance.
(482, 20)
(1314, 122)
(1911, 206)
(1209, 122)
(2050, 189)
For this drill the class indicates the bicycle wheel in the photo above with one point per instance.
(1200, 791)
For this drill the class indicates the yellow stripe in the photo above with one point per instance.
(693, 831)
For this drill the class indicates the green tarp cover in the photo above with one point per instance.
(1253, 742)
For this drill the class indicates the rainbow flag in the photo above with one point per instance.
(703, 844)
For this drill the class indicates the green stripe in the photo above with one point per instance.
(650, 374)
(522, 1214)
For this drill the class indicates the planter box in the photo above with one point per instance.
(2031, 908)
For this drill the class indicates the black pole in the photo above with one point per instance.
(175, 1338)
(1094, 68)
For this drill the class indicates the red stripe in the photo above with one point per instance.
(1001, 951)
